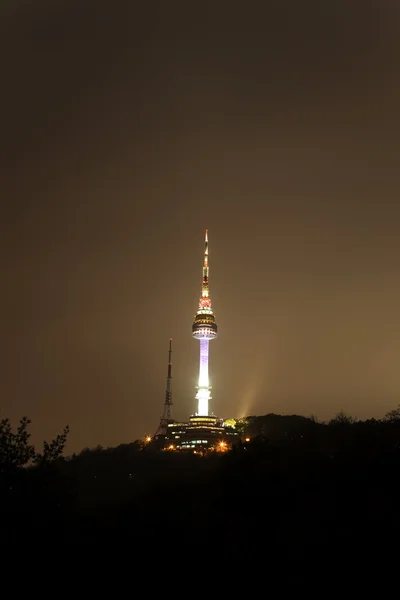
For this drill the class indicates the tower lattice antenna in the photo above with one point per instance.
(167, 414)
(168, 391)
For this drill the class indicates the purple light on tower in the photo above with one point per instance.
(203, 374)
(204, 328)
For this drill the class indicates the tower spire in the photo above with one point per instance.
(167, 414)
(204, 287)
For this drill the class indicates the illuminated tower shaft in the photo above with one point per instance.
(204, 389)
(204, 329)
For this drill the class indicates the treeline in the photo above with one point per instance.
(298, 488)
(340, 432)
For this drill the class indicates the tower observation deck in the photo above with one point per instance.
(204, 329)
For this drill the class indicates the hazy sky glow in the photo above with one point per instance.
(127, 130)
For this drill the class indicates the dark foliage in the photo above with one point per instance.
(16, 451)
(299, 490)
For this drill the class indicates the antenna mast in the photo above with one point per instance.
(167, 414)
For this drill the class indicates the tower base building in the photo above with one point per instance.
(201, 434)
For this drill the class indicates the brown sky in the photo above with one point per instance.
(127, 129)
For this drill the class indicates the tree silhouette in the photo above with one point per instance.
(16, 451)
(393, 416)
(342, 419)
(53, 450)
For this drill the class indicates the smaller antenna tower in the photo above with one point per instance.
(167, 415)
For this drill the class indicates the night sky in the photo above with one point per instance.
(127, 129)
